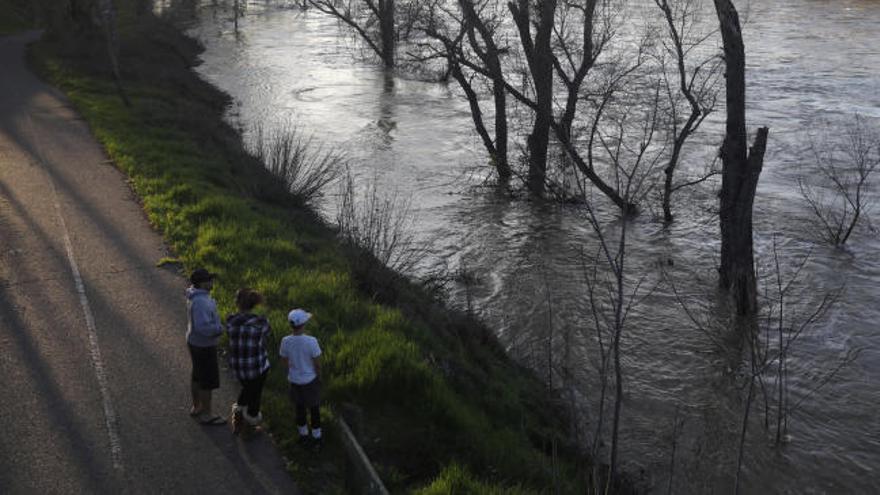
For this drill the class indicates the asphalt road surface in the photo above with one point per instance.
(94, 374)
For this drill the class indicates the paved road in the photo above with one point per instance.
(94, 370)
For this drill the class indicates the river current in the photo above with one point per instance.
(808, 61)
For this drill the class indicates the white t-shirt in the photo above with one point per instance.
(299, 350)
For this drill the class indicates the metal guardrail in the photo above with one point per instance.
(362, 477)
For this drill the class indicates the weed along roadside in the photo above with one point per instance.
(441, 408)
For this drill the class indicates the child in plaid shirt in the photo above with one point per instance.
(248, 358)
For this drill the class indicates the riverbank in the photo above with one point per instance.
(442, 408)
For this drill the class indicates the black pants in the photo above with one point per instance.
(304, 397)
(205, 370)
(251, 392)
(301, 415)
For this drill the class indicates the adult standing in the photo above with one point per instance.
(202, 335)
(248, 359)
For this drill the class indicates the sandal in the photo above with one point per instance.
(213, 421)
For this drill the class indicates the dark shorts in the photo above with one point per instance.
(308, 395)
(205, 371)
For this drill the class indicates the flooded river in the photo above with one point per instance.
(808, 60)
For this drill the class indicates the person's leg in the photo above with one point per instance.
(243, 394)
(206, 376)
(251, 408)
(237, 415)
(196, 408)
(315, 412)
(256, 394)
(313, 399)
(210, 380)
(205, 402)
(301, 420)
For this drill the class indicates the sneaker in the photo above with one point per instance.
(236, 420)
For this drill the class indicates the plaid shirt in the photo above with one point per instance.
(247, 352)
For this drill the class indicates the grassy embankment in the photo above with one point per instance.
(444, 410)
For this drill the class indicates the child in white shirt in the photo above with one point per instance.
(301, 354)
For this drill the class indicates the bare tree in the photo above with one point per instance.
(472, 23)
(372, 20)
(741, 168)
(696, 85)
(781, 324)
(611, 298)
(845, 168)
(538, 52)
(481, 36)
(581, 33)
(239, 8)
(574, 45)
(789, 309)
(576, 52)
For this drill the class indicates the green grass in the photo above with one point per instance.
(458, 480)
(439, 399)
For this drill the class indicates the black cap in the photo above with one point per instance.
(201, 275)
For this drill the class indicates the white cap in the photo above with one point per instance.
(298, 317)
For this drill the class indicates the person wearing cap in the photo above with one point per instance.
(301, 354)
(248, 359)
(202, 335)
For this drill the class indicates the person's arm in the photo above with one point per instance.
(206, 321)
(316, 362)
(316, 358)
(284, 361)
(265, 334)
(214, 317)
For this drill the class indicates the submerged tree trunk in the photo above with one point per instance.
(490, 68)
(500, 157)
(477, 114)
(740, 171)
(362, 16)
(539, 54)
(386, 28)
(698, 111)
(573, 84)
(491, 58)
(237, 12)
